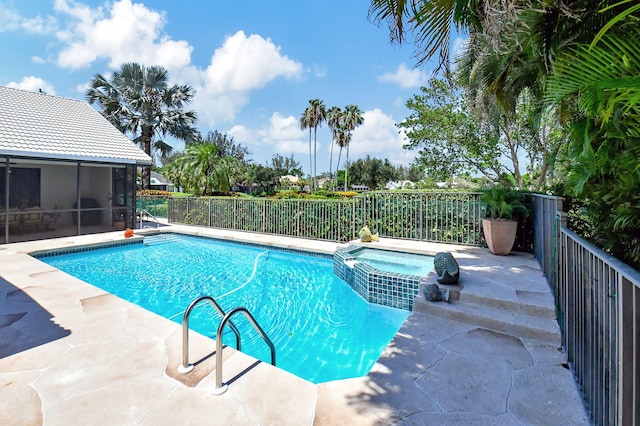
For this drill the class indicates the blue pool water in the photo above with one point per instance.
(321, 328)
(397, 262)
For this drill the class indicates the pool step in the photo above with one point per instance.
(152, 240)
(528, 319)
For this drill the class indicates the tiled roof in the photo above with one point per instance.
(44, 126)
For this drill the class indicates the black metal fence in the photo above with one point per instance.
(447, 217)
(598, 306)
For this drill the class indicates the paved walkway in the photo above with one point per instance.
(72, 354)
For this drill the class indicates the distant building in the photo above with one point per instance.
(399, 184)
(160, 183)
(360, 187)
(322, 181)
(289, 181)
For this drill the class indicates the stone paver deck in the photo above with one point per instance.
(72, 354)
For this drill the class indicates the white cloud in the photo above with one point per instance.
(405, 77)
(246, 63)
(282, 135)
(10, 20)
(241, 134)
(83, 87)
(38, 60)
(379, 137)
(459, 44)
(122, 31)
(283, 128)
(242, 64)
(33, 84)
(292, 147)
(125, 33)
(319, 71)
(40, 25)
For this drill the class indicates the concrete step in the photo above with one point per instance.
(532, 303)
(483, 292)
(506, 318)
(151, 240)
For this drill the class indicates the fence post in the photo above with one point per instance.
(264, 215)
(421, 236)
(364, 209)
(339, 220)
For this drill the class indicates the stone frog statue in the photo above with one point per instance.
(446, 267)
(366, 236)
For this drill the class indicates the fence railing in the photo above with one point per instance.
(158, 206)
(600, 302)
(598, 308)
(547, 235)
(332, 220)
(439, 217)
(451, 217)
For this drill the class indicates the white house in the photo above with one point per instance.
(64, 169)
(399, 184)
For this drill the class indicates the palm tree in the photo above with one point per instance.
(202, 170)
(305, 123)
(343, 137)
(312, 117)
(351, 118)
(139, 101)
(431, 21)
(334, 115)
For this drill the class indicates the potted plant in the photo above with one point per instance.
(499, 227)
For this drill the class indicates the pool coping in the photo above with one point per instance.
(115, 363)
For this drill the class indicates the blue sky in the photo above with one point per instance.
(254, 64)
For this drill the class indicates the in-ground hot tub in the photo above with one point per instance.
(386, 277)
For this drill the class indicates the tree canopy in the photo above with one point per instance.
(578, 64)
(139, 101)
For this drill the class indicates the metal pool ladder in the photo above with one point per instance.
(186, 367)
(145, 213)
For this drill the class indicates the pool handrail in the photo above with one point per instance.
(186, 367)
(144, 212)
(222, 387)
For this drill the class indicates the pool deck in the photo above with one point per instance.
(72, 354)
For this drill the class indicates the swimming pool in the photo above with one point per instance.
(321, 328)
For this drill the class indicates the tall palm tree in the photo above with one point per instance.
(334, 115)
(351, 118)
(305, 123)
(312, 118)
(139, 101)
(343, 137)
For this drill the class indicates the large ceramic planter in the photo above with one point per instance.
(500, 235)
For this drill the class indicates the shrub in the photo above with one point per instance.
(153, 193)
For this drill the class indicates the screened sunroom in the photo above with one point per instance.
(64, 169)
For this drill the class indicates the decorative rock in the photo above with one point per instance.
(366, 236)
(432, 292)
(446, 267)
